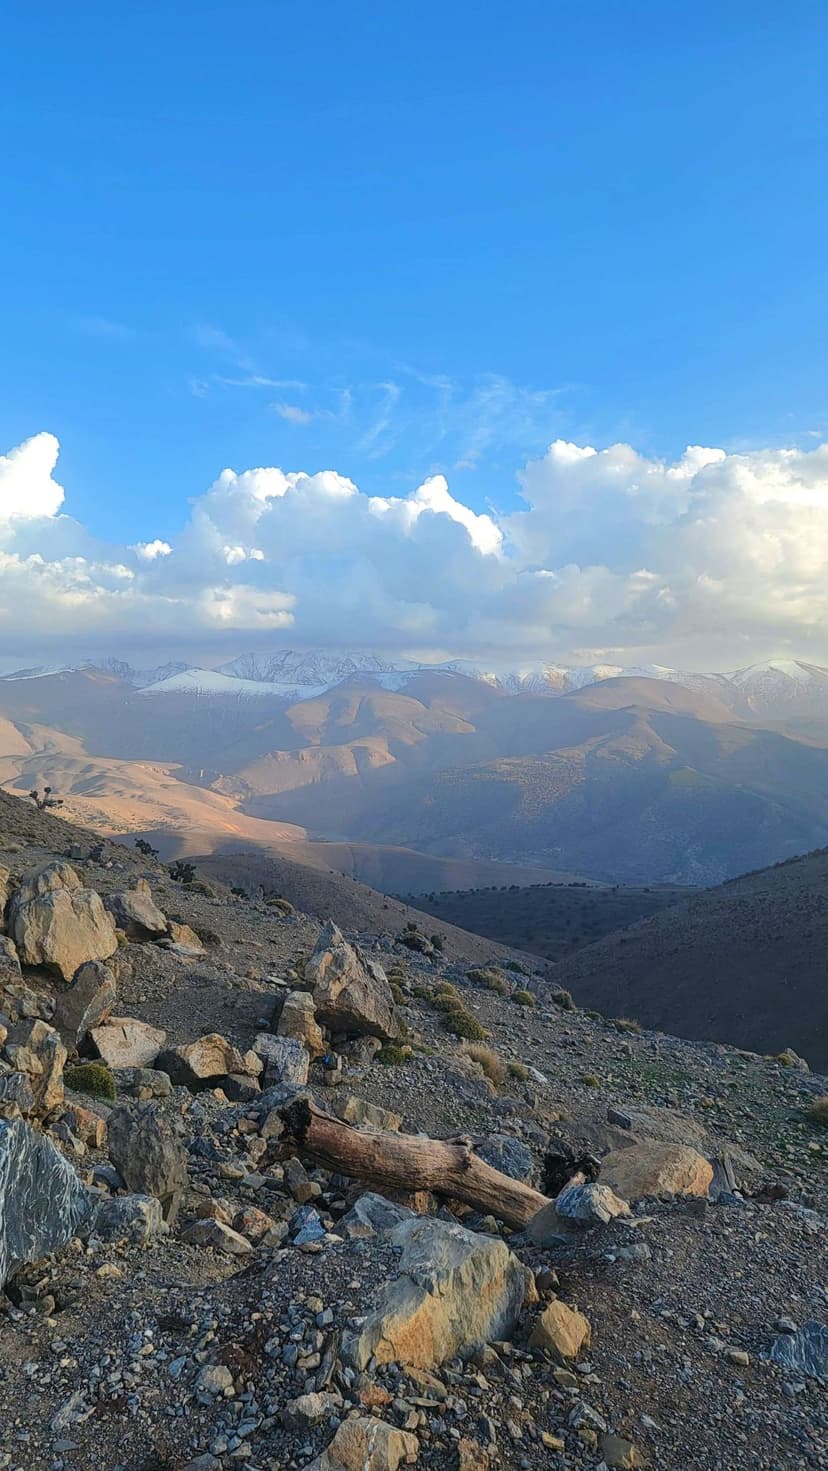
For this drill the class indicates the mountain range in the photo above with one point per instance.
(418, 777)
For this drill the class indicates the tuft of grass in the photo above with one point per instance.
(518, 1071)
(516, 966)
(589, 1080)
(524, 998)
(92, 1078)
(463, 1024)
(446, 998)
(563, 999)
(397, 992)
(491, 1062)
(490, 978)
(817, 1113)
(625, 1024)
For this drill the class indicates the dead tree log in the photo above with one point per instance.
(404, 1162)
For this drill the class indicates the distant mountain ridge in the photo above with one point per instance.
(776, 689)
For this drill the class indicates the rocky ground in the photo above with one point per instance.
(215, 1301)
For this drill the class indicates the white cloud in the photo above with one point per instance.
(149, 551)
(709, 561)
(292, 413)
(27, 489)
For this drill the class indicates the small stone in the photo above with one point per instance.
(619, 1454)
(562, 1330)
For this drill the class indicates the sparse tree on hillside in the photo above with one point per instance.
(44, 799)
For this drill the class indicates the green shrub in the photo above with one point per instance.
(518, 1071)
(391, 1055)
(397, 992)
(182, 872)
(524, 998)
(463, 1024)
(563, 999)
(515, 965)
(589, 1080)
(92, 1078)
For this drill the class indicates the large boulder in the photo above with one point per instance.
(136, 913)
(124, 1041)
(580, 1205)
(298, 1019)
(35, 1049)
(367, 1444)
(88, 1002)
(203, 1063)
(654, 1168)
(146, 1150)
(43, 1204)
(351, 993)
(5, 889)
(456, 1291)
(54, 921)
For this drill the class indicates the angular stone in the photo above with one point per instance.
(9, 960)
(184, 940)
(619, 1454)
(365, 1115)
(655, 1168)
(87, 1003)
(298, 1019)
(5, 889)
(220, 1237)
(125, 1042)
(16, 1095)
(34, 1048)
(372, 1215)
(507, 1154)
(804, 1352)
(43, 1204)
(45, 880)
(143, 1083)
(286, 1060)
(145, 1148)
(456, 1290)
(201, 1064)
(562, 1330)
(367, 1444)
(62, 928)
(581, 1205)
(350, 992)
(136, 913)
(133, 1218)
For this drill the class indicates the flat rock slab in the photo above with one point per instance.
(43, 1203)
(125, 1042)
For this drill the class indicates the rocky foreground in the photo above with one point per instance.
(187, 1287)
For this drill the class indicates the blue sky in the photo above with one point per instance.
(403, 240)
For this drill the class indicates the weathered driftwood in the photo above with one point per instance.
(407, 1163)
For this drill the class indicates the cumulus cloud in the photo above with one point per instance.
(711, 560)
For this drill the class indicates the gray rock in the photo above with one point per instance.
(88, 1002)
(507, 1154)
(133, 1218)
(372, 1215)
(286, 1060)
(9, 960)
(136, 913)
(126, 1042)
(43, 1203)
(804, 1352)
(201, 1064)
(351, 993)
(16, 1094)
(145, 1148)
